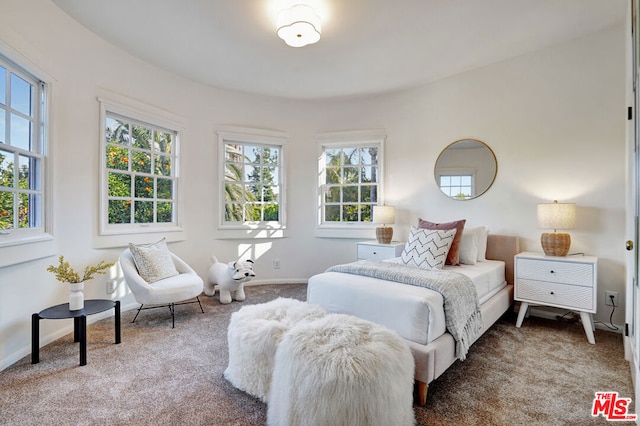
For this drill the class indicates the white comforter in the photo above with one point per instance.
(461, 308)
(415, 313)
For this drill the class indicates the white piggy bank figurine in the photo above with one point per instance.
(230, 278)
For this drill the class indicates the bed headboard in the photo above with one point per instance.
(503, 247)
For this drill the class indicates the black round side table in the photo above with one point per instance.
(79, 324)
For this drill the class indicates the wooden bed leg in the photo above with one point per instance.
(421, 393)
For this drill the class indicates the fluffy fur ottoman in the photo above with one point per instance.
(341, 370)
(253, 335)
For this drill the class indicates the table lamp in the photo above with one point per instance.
(556, 216)
(384, 215)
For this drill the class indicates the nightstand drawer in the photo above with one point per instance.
(556, 272)
(379, 251)
(374, 252)
(560, 295)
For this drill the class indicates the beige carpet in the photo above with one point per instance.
(544, 373)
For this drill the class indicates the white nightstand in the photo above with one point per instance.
(568, 282)
(372, 250)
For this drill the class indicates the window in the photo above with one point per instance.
(350, 180)
(458, 186)
(139, 173)
(252, 185)
(22, 155)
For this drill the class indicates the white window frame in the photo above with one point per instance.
(457, 171)
(26, 244)
(252, 137)
(350, 139)
(158, 119)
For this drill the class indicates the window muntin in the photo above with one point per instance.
(252, 183)
(458, 186)
(350, 182)
(140, 182)
(22, 153)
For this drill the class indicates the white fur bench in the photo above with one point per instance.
(341, 370)
(253, 335)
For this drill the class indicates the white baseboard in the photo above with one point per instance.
(277, 281)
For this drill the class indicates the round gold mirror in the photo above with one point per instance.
(465, 169)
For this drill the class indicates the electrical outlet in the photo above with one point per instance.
(608, 295)
(111, 286)
(276, 263)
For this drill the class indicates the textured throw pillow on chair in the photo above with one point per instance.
(153, 261)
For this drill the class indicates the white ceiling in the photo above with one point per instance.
(367, 46)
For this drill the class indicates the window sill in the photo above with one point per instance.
(346, 231)
(237, 233)
(123, 240)
(27, 250)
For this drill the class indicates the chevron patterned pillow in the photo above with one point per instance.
(427, 249)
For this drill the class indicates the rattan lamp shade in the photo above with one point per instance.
(556, 216)
(384, 215)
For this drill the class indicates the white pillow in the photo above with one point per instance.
(482, 233)
(468, 247)
(474, 236)
(153, 261)
(427, 249)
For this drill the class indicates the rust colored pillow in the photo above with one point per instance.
(453, 257)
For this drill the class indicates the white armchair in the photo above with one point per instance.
(167, 292)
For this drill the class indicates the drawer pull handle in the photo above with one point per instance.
(375, 252)
(552, 271)
(551, 292)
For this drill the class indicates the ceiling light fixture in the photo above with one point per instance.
(299, 25)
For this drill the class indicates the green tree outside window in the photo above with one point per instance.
(252, 188)
(350, 183)
(139, 161)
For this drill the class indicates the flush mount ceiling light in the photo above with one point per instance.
(299, 25)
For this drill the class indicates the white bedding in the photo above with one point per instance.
(415, 313)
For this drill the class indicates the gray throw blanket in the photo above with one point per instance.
(461, 306)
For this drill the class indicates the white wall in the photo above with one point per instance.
(554, 118)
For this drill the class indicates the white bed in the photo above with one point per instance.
(417, 313)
